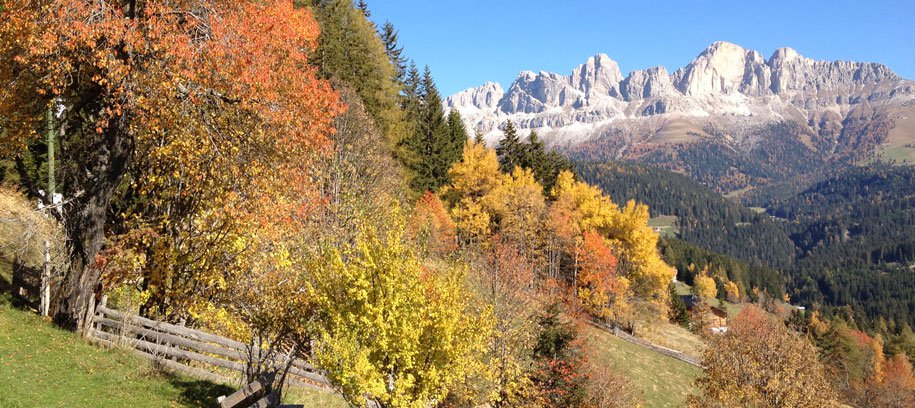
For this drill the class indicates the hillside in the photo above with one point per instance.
(854, 236)
(845, 240)
(45, 366)
(705, 217)
(661, 381)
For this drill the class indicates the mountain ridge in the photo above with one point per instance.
(724, 79)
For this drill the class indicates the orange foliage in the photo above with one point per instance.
(213, 107)
(431, 227)
(600, 287)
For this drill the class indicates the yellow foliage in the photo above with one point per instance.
(732, 291)
(473, 179)
(625, 229)
(761, 363)
(391, 331)
(521, 206)
(704, 287)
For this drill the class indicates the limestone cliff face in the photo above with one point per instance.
(725, 83)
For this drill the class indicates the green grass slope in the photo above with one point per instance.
(661, 381)
(41, 365)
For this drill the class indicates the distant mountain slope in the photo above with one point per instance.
(847, 240)
(706, 218)
(731, 118)
(856, 236)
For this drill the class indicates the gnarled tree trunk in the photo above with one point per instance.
(97, 168)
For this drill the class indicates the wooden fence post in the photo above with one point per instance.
(44, 303)
(102, 305)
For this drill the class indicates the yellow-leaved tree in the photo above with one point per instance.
(473, 179)
(391, 331)
(521, 207)
(626, 231)
(732, 291)
(704, 287)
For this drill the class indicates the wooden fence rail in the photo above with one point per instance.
(187, 350)
(654, 347)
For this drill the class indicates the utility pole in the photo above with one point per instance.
(44, 303)
(52, 185)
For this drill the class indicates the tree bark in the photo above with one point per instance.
(98, 172)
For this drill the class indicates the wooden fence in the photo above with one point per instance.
(189, 351)
(654, 347)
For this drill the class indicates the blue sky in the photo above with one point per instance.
(470, 42)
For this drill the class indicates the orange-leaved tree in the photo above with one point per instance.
(211, 105)
(600, 288)
(430, 227)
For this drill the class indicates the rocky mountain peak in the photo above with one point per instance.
(645, 84)
(484, 97)
(724, 68)
(783, 55)
(725, 85)
(599, 76)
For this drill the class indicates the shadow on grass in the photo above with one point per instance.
(8, 295)
(197, 393)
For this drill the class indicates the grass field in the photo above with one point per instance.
(676, 337)
(899, 147)
(660, 380)
(667, 224)
(43, 366)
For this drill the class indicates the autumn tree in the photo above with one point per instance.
(469, 197)
(357, 180)
(732, 291)
(430, 227)
(600, 288)
(704, 287)
(626, 229)
(391, 331)
(199, 95)
(760, 363)
(896, 388)
(505, 280)
(520, 207)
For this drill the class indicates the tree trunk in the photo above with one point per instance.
(98, 171)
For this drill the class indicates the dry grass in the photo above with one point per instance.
(678, 338)
(660, 381)
(23, 231)
(900, 145)
(676, 131)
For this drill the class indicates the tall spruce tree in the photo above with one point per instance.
(436, 142)
(532, 155)
(394, 51)
(510, 151)
(457, 138)
(364, 8)
(351, 51)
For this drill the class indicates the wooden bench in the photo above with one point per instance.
(255, 395)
